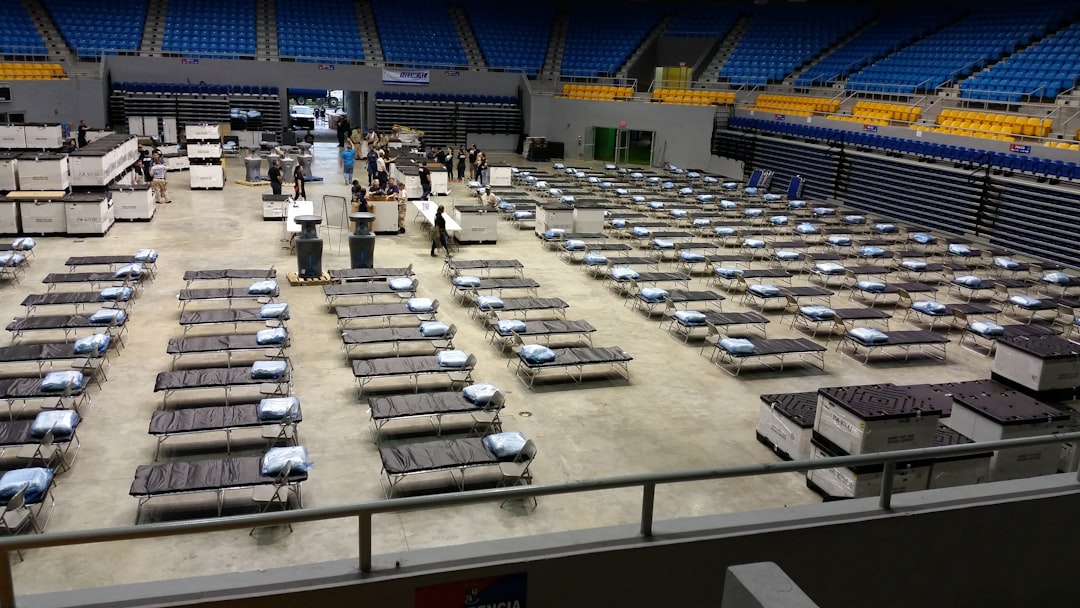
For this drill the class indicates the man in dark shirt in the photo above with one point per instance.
(372, 164)
(376, 189)
(82, 133)
(472, 161)
(425, 182)
(274, 174)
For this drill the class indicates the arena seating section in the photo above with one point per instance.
(597, 92)
(989, 125)
(601, 36)
(693, 97)
(1041, 71)
(419, 33)
(324, 29)
(782, 38)
(795, 105)
(515, 36)
(879, 113)
(93, 27)
(224, 28)
(18, 36)
(30, 71)
(713, 20)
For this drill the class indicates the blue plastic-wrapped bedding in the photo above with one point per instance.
(606, 185)
(772, 198)
(11, 258)
(778, 220)
(637, 175)
(489, 303)
(885, 228)
(452, 358)
(268, 370)
(667, 185)
(868, 335)
(728, 205)
(523, 215)
(916, 265)
(641, 231)
(729, 185)
(128, 271)
(275, 336)
(1024, 301)
(275, 459)
(823, 211)
(108, 315)
(420, 304)
(116, 294)
(686, 191)
(263, 288)
(663, 244)
(505, 445)
(536, 353)
(574, 245)
(400, 284)
(277, 408)
(95, 344)
(1006, 263)
(959, 249)
(986, 328)
(764, 290)
(638, 198)
(969, 280)
(871, 252)
(690, 317)
(752, 191)
(567, 199)
(621, 192)
(61, 381)
(839, 240)
(1056, 278)
(559, 166)
(653, 294)
(541, 185)
(693, 175)
(467, 282)
(724, 231)
(36, 480)
(433, 329)
(922, 238)
(753, 212)
(854, 219)
(554, 192)
(806, 228)
(277, 310)
(595, 259)
(871, 286)
(706, 198)
(738, 346)
(618, 223)
(728, 273)
(509, 326)
(753, 243)
(829, 268)
(701, 222)
(480, 394)
(679, 213)
(550, 233)
(930, 307)
(507, 205)
(61, 422)
(656, 205)
(24, 243)
(818, 313)
(623, 273)
(691, 257)
(797, 204)
(787, 256)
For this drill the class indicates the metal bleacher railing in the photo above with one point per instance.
(363, 512)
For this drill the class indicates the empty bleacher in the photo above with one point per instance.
(445, 119)
(602, 35)
(782, 38)
(597, 92)
(1041, 71)
(93, 27)
(704, 20)
(30, 71)
(693, 97)
(795, 105)
(514, 37)
(990, 125)
(325, 29)
(215, 28)
(419, 34)
(195, 103)
(879, 113)
(18, 36)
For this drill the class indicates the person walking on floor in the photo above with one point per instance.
(462, 157)
(438, 232)
(473, 152)
(342, 131)
(160, 180)
(348, 159)
(448, 163)
(372, 164)
(274, 175)
(425, 181)
(298, 183)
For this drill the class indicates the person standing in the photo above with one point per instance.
(298, 183)
(462, 156)
(438, 232)
(348, 159)
(482, 168)
(473, 153)
(342, 131)
(359, 196)
(382, 168)
(425, 181)
(82, 133)
(372, 164)
(274, 174)
(488, 199)
(138, 172)
(160, 180)
(448, 163)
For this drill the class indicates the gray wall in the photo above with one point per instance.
(59, 101)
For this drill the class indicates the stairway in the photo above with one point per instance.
(724, 49)
(466, 35)
(54, 42)
(266, 45)
(656, 32)
(832, 49)
(154, 28)
(369, 34)
(552, 67)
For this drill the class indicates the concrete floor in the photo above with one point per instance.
(677, 412)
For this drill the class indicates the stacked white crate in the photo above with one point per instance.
(204, 156)
(101, 162)
(89, 212)
(786, 423)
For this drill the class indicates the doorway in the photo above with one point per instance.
(622, 146)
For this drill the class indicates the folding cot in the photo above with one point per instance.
(45, 440)
(628, 283)
(217, 476)
(932, 311)
(760, 295)
(120, 297)
(226, 294)
(229, 274)
(600, 267)
(277, 417)
(554, 239)
(918, 269)
(346, 275)
(580, 254)
(877, 290)
(973, 286)
(450, 456)
(396, 336)
(90, 359)
(271, 345)
(227, 378)
(812, 318)
(731, 356)
(981, 338)
(370, 290)
(114, 324)
(365, 371)
(573, 362)
(737, 278)
(717, 325)
(509, 332)
(924, 341)
(485, 268)
(469, 288)
(386, 312)
(230, 316)
(72, 395)
(23, 245)
(1033, 306)
(432, 406)
(648, 301)
(96, 280)
(148, 263)
(491, 309)
(1057, 280)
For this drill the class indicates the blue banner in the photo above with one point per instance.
(406, 76)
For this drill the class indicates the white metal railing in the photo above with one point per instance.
(363, 512)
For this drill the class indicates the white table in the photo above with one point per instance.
(428, 208)
(293, 209)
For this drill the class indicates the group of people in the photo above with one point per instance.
(155, 173)
(276, 175)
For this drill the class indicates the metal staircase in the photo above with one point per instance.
(266, 31)
(466, 36)
(724, 49)
(552, 67)
(54, 42)
(154, 28)
(790, 79)
(656, 32)
(369, 34)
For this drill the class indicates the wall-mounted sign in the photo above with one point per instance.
(507, 591)
(326, 66)
(406, 76)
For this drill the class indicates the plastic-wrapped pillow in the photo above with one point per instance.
(277, 408)
(479, 394)
(638, 198)
(529, 179)
(653, 180)
(930, 307)
(922, 238)
(274, 336)
(146, 255)
(871, 286)
(523, 215)
(1024, 301)
(452, 358)
(541, 185)
(738, 346)
(724, 231)
(693, 175)
(433, 329)
(796, 204)
(778, 220)
(751, 190)
(839, 240)
(609, 167)
(830, 268)
(268, 370)
(578, 174)
(667, 185)
(1006, 263)
(510, 326)
(641, 231)
(263, 288)
(691, 256)
(655, 205)
(595, 259)
(818, 313)
(787, 256)
(729, 185)
(753, 243)
(505, 445)
(574, 245)
(854, 219)
(764, 290)
(969, 280)
(623, 273)
(986, 328)
(687, 191)
(109, 315)
(23, 243)
(567, 198)
(706, 198)
(536, 353)
(61, 422)
(559, 166)
(550, 233)
(466, 282)
(871, 252)
(885, 228)
(128, 271)
(277, 310)
(36, 480)
(663, 244)
(61, 381)
(805, 228)
(820, 211)
(554, 192)
(728, 273)
(637, 175)
(753, 212)
(618, 223)
(506, 205)
(958, 249)
(868, 335)
(489, 303)
(11, 259)
(621, 192)
(653, 294)
(116, 294)
(92, 345)
(275, 460)
(701, 222)
(771, 197)
(726, 204)
(690, 317)
(917, 265)
(606, 185)
(679, 213)
(1057, 278)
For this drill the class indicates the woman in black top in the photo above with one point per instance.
(298, 183)
(462, 156)
(360, 196)
(438, 233)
